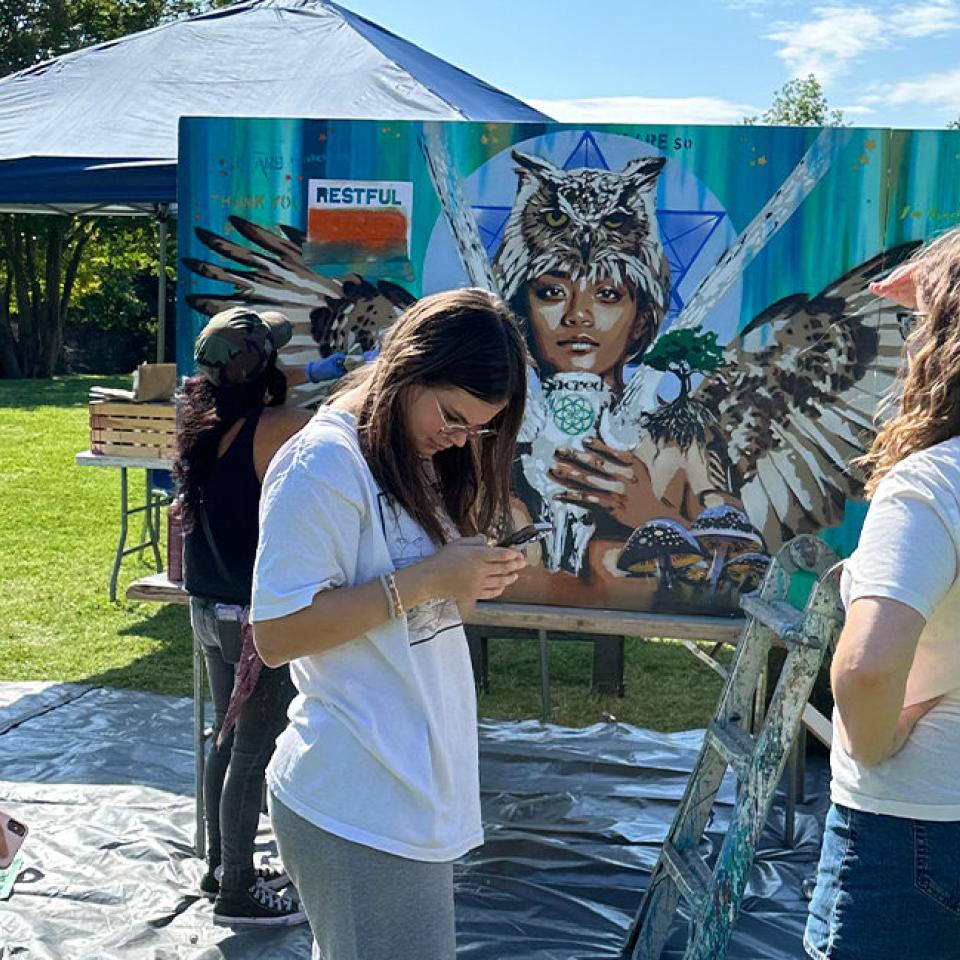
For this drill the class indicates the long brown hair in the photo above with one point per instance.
(461, 338)
(928, 396)
(205, 413)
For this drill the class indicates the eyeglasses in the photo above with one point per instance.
(907, 321)
(457, 430)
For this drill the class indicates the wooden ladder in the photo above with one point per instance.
(773, 615)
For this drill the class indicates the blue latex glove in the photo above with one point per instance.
(369, 355)
(329, 368)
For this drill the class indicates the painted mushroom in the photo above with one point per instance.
(724, 532)
(696, 574)
(746, 571)
(659, 548)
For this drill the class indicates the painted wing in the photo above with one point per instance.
(270, 273)
(796, 399)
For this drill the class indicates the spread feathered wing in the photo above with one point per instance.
(270, 273)
(796, 397)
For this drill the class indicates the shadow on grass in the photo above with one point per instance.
(58, 392)
(168, 669)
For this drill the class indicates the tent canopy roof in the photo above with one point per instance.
(97, 128)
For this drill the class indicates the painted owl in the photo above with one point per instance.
(586, 224)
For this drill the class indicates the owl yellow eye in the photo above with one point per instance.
(555, 218)
(615, 221)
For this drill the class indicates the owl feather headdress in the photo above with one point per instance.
(586, 224)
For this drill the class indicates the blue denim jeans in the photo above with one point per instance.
(888, 888)
(233, 777)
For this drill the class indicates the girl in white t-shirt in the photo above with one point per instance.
(888, 883)
(373, 546)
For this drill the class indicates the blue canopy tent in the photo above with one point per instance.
(95, 131)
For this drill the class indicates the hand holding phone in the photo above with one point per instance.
(12, 835)
(532, 531)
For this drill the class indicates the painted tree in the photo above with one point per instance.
(683, 353)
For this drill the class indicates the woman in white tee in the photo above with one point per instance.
(373, 546)
(888, 884)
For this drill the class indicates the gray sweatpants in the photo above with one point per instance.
(364, 904)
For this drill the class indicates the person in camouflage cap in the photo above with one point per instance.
(236, 345)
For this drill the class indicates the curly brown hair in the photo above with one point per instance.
(926, 400)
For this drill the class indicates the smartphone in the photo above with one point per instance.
(14, 833)
(533, 531)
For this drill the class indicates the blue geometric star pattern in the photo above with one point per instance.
(684, 233)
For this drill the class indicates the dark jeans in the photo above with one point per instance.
(888, 888)
(233, 776)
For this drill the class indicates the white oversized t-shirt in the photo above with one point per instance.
(381, 747)
(908, 551)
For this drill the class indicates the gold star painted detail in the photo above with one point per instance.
(871, 144)
(761, 161)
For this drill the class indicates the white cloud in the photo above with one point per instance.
(938, 89)
(851, 111)
(925, 19)
(645, 110)
(838, 35)
(826, 44)
(752, 7)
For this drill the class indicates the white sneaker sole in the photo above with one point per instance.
(286, 921)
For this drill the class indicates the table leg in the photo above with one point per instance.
(123, 535)
(152, 514)
(544, 675)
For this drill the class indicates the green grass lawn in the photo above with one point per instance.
(58, 529)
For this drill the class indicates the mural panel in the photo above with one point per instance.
(708, 358)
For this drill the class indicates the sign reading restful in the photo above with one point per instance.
(366, 221)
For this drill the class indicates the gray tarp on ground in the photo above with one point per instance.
(574, 819)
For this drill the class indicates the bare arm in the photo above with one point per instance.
(869, 677)
(464, 570)
(277, 425)
(335, 617)
(296, 375)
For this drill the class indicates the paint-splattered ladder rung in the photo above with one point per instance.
(779, 617)
(734, 744)
(689, 872)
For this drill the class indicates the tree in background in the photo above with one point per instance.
(42, 256)
(800, 102)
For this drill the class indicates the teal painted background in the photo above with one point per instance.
(873, 190)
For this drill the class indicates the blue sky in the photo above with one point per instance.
(699, 61)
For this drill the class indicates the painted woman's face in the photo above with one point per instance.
(581, 324)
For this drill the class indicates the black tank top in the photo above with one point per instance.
(231, 501)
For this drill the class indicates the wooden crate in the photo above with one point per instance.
(133, 429)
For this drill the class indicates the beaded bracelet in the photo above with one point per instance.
(394, 603)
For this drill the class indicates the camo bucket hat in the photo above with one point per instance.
(236, 345)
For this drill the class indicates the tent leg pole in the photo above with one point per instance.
(162, 214)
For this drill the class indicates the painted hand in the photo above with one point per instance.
(615, 481)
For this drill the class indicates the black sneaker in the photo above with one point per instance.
(259, 906)
(275, 879)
